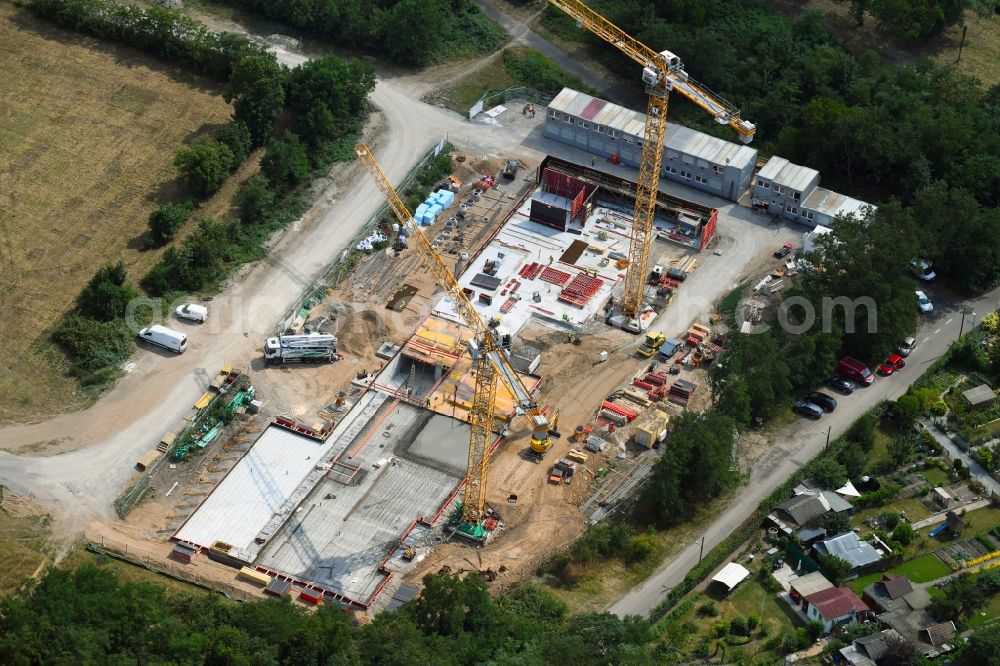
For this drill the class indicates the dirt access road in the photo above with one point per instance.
(799, 443)
(97, 447)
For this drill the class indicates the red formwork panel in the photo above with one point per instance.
(555, 276)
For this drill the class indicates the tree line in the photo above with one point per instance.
(91, 616)
(925, 135)
(321, 104)
(408, 32)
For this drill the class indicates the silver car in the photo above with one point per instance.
(909, 344)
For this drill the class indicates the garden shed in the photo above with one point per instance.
(979, 397)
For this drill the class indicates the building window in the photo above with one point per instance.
(672, 170)
(599, 128)
(672, 154)
(764, 184)
(778, 189)
(582, 123)
(793, 210)
(701, 180)
(809, 215)
(717, 168)
(552, 113)
(613, 133)
(797, 196)
(568, 118)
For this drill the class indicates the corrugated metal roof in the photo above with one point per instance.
(709, 148)
(781, 171)
(679, 138)
(831, 203)
(849, 548)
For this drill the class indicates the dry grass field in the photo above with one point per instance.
(24, 537)
(88, 132)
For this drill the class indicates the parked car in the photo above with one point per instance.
(841, 385)
(192, 312)
(855, 370)
(783, 251)
(909, 344)
(924, 302)
(808, 410)
(161, 336)
(922, 270)
(826, 402)
(892, 364)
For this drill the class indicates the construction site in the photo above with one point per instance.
(491, 371)
(351, 495)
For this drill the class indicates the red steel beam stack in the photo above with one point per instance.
(614, 407)
(656, 378)
(580, 290)
(554, 276)
(531, 271)
(681, 391)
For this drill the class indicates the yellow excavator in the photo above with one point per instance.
(490, 361)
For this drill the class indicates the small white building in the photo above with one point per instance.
(792, 191)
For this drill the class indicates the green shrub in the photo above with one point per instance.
(205, 165)
(708, 609)
(94, 346)
(738, 627)
(164, 223)
(107, 294)
(890, 519)
(879, 497)
(286, 163)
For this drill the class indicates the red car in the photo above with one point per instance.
(892, 364)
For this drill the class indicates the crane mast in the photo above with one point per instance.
(662, 72)
(490, 361)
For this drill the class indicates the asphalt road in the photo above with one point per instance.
(522, 34)
(803, 440)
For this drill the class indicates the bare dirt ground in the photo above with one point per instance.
(86, 149)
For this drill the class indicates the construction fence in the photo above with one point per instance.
(177, 571)
(345, 261)
(492, 98)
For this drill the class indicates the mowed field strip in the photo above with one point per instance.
(88, 133)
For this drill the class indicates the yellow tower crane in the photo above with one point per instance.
(661, 72)
(489, 359)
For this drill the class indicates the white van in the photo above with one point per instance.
(161, 336)
(192, 312)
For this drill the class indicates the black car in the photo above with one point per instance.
(808, 410)
(826, 402)
(841, 385)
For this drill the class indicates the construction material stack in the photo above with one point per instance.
(681, 391)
